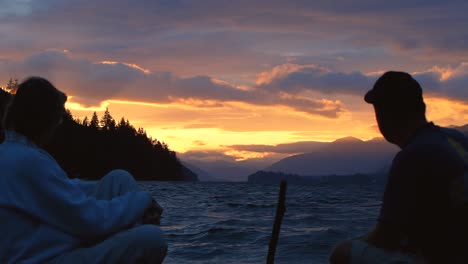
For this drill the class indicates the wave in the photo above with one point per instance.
(232, 223)
(251, 205)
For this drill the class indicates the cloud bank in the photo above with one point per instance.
(91, 82)
(286, 85)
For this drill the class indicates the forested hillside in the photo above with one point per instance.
(90, 148)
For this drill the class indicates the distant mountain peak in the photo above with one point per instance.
(377, 139)
(344, 156)
(348, 140)
(464, 128)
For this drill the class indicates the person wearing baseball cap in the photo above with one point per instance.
(399, 106)
(423, 216)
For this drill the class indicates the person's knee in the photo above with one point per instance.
(148, 237)
(341, 254)
(140, 244)
(119, 175)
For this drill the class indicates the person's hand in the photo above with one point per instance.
(152, 215)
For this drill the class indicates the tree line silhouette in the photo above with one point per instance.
(90, 148)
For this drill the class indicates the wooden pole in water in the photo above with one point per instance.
(277, 226)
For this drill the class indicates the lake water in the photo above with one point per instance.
(232, 222)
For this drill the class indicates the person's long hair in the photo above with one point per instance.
(35, 108)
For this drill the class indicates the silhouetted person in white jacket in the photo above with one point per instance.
(47, 217)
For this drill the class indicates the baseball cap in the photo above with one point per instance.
(395, 89)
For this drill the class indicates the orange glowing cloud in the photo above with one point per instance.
(283, 70)
(446, 112)
(132, 65)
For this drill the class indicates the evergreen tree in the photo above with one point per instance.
(9, 85)
(122, 123)
(85, 122)
(94, 123)
(12, 86)
(4, 98)
(107, 121)
(15, 85)
(68, 115)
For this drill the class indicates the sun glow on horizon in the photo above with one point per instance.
(79, 107)
(195, 125)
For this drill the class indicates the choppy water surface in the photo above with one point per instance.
(232, 222)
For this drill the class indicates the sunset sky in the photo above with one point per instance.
(239, 79)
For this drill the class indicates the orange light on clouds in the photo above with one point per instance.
(194, 125)
(73, 106)
(282, 71)
(135, 66)
(446, 112)
(245, 155)
(190, 124)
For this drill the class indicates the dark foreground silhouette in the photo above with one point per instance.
(424, 212)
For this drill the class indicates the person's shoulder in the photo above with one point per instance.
(432, 147)
(38, 157)
(455, 134)
(38, 165)
(24, 155)
(432, 139)
(21, 163)
(16, 150)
